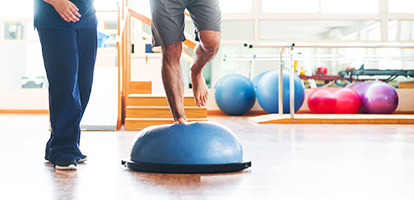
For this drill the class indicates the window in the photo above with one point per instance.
(389, 64)
(400, 30)
(320, 30)
(233, 6)
(142, 7)
(14, 9)
(291, 6)
(401, 6)
(237, 30)
(106, 5)
(349, 6)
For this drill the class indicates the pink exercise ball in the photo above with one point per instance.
(334, 101)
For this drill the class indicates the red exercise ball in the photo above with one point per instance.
(334, 101)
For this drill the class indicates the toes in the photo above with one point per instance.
(206, 98)
(181, 121)
(201, 101)
(198, 103)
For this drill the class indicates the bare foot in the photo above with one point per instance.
(181, 121)
(200, 89)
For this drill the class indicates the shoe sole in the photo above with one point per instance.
(83, 160)
(70, 167)
(79, 161)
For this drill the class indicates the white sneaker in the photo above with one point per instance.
(66, 164)
(83, 159)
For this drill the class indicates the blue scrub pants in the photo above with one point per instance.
(69, 59)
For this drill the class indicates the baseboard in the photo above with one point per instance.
(262, 112)
(20, 111)
(221, 113)
(403, 112)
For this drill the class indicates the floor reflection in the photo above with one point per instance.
(186, 184)
(64, 183)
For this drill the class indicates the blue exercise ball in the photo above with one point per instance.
(268, 92)
(235, 94)
(194, 143)
(257, 78)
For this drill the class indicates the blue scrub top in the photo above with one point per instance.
(45, 15)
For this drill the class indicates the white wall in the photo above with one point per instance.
(147, 67)
(27, 99)
(12, 64)
(12, 68)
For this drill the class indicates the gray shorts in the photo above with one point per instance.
(167, 24)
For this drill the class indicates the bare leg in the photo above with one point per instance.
(173, 80)
(203, 53)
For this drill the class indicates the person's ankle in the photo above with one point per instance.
(195, 71)
(196, 75)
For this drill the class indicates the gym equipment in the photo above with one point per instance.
(235, 94)
(257, 78)
(334, 101)
(322, 71)
(267, 92)
(376, 97)
(194, 147)
(392, 73)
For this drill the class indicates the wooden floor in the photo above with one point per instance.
(333, 119)
(290, 161)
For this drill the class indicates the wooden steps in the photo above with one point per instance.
(155, 100)
(145, 110)
(136, 124)
(140, 87)
(163, 112)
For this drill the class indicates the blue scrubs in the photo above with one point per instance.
(69, 52)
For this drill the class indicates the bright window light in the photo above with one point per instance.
(290, 6)
(349, 6)
(142, 7)
(239, 6)
(106, 5)
(389, 64)
(400, 30)
(16, 9)
(401, 6)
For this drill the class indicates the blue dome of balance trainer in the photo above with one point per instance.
(194, 143)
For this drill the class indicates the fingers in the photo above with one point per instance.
(68, 11)
(72, 15)
(75, 10)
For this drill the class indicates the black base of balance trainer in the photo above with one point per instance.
(186, 169)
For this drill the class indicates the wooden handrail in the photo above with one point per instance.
(190, 43)
(118, 46)
(140, 17)
(147, 21)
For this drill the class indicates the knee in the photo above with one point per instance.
(171, 52)
(210, 40)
